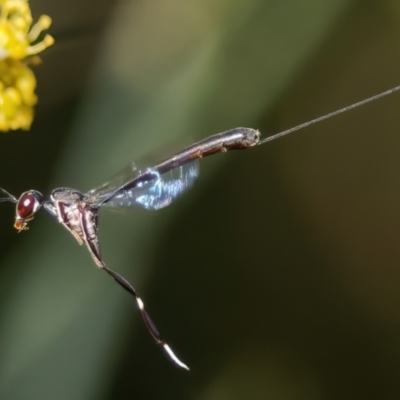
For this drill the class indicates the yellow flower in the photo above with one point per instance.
(17, 95)
(19, 41)
(17, 33)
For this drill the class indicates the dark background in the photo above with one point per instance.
(277, 276)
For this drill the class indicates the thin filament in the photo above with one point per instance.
(332, 114)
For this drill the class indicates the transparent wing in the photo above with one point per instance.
(98, 194)
(153, 194)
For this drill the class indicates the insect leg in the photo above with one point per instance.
(93, 246)
(146, 317)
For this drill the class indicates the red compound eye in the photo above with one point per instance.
(25, 205)
(28, 204)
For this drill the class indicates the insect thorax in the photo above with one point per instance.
(67, 195)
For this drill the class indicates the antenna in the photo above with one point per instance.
(332, 114)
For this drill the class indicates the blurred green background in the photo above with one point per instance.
(277, 276)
